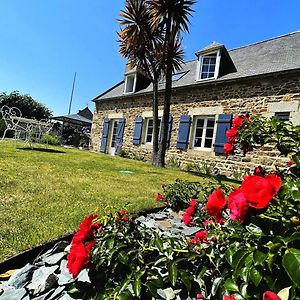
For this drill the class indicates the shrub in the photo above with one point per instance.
(178, 194)
(50, 139)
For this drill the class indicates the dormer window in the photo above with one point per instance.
(209, 65)
(130, 83)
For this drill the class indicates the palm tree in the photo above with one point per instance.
(172, 17)
(141, 44)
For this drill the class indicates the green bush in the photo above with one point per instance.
(50, 140)
(179, 193)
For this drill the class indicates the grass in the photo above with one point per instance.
(45, 194)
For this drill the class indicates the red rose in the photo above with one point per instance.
(190, 211)
(125, 218)
(215, 204)
(237, 122)
(226, 297)
(193, 203)
(200, 296)
(259, 171)
(186, 219)
(228, 149)
(159, 197)
(200, 236)
(78, 258)
(231, 133)
(260, 190)
(270, 296)
(238, 206)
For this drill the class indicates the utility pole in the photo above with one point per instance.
(72, 93)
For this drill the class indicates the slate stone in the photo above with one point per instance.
(140, 219)
(150, 223)
(44, 296)
(191, 230)
(43, 280)
(21, 278)
(11, 293)
(64, 277)
(58, 291)
(54, 258)
(84, 276)
(159, 216)
(58, 247)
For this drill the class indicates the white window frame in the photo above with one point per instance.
(217, 67)
(146, 131)
(126, 83)
(205, 118)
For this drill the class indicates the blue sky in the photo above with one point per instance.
(43, 43)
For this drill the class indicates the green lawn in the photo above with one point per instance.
(44, 195)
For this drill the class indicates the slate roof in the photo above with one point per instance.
(274, 55)
(75, 118)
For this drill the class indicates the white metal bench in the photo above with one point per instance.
(30, 130)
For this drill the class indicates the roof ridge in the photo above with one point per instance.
(266, 40)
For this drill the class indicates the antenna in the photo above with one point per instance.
(72, 93)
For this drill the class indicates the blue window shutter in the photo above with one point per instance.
(137, 135)
(183, 132)
(104, 135)
(120, 132)
(170, 123)
(223, 124)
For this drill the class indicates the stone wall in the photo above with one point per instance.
(257, 96)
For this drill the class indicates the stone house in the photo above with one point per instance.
(260, 78)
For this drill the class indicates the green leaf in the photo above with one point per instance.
(137, 287)
(216, 285)
(124, 284)
(295, 237)
(159, 244)
(296, 195)
(259, 257)
(229, 254)
(123, 258)
(296, 159)
(201, 273)
(152, 288)
(238, 258)
(173, 272)
(255, 276)
(125, 296)
(291, 263)
(255, 230)
(231, 286)
(186, 279)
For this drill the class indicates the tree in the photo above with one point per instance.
(29, 107)
(140, 43)
(151, 41)
(173, 17)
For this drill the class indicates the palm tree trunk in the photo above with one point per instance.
(167, 96)
(155, 157)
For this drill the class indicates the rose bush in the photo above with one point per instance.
(247, 247)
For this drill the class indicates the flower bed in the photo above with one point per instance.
(246, 244)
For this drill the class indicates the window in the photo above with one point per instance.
(203, 133)
(149, 130)
(285, 116)
(130, 83)
(209, 65)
